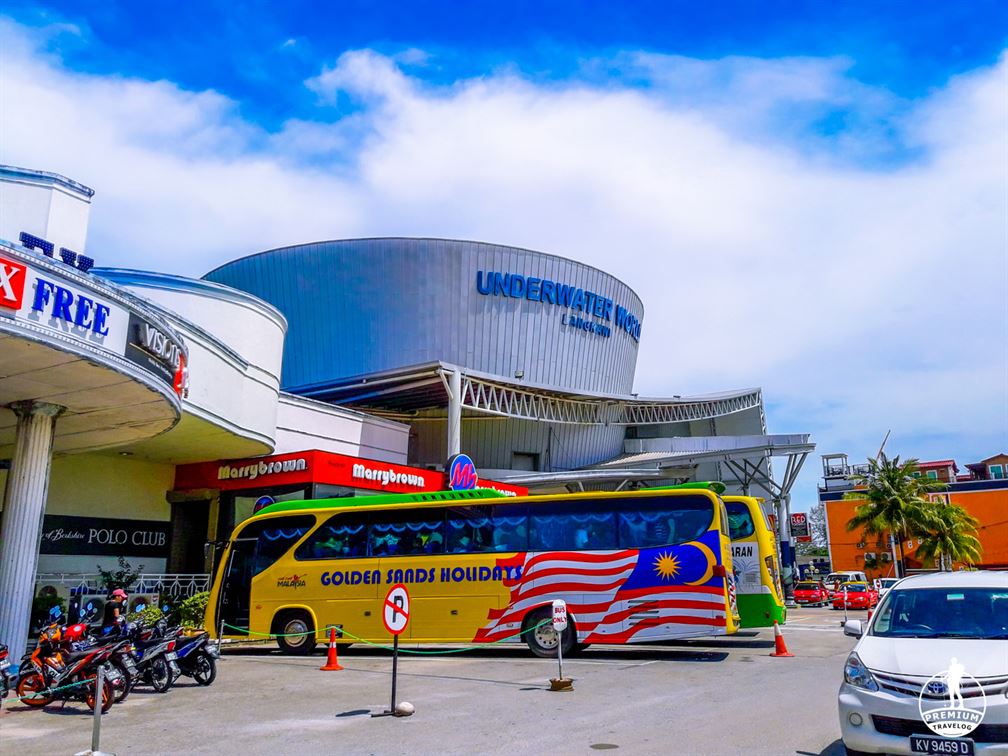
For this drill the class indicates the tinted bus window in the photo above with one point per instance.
(402, 533)
(572, 530)
(649, 523)
(274, 537)
(740, 521)
(485, 528)
(343, 536)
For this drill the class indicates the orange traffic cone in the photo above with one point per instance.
(332, 661)
(779, 648)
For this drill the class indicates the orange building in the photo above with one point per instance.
(982, 492)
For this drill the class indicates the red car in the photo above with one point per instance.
(811, 593)
(859, 596)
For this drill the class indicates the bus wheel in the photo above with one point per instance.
(295, 633)
(543, 640)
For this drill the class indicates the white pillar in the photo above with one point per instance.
(455, 413)
(21, 529)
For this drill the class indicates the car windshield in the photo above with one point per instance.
(836, 578)
(978, 613)
(887, 582)
(806, 587)
(856, 587)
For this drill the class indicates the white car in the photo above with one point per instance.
(935, 642)
(882, 585)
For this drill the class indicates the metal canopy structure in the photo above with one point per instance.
(667, 458)
(399, 393)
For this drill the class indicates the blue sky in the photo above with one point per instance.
(835, 170)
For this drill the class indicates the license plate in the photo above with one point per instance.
(171, 656)
(130, 665)
(929, 744)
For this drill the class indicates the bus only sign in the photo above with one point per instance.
(559, 615)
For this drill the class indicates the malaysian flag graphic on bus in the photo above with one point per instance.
(620, 596)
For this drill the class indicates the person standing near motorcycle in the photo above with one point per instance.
(114, 608)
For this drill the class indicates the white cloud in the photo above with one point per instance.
(861, 294)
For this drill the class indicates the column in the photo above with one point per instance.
(455, 412)
(21, 529)
(783, 547)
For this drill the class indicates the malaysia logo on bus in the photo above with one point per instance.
(462, 474)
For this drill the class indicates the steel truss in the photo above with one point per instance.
(485, 396)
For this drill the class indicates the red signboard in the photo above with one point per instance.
(319, 467)
(12, 283)
(800, 527)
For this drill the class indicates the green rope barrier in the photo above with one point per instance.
(358, 639)
(49, 691)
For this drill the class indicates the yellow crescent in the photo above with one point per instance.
(710, 562)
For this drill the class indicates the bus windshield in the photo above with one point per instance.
(740, 520)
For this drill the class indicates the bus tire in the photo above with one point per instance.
(287, 626)
(543, 641)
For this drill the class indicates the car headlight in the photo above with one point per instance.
(855, 673)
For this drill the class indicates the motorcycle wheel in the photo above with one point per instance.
(161, 677)
(29, 687)
(107, 695)
(205, 669)
(127, 681)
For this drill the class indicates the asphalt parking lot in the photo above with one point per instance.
(722, 696)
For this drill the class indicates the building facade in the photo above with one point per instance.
(982, 491)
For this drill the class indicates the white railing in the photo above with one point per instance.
(175, 584)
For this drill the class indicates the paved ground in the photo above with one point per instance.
(696, 697)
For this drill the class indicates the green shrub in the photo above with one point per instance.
(123, 577)
(193, 610)
(148, 616)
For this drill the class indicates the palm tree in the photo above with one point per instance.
(895, 501)
(951, 537)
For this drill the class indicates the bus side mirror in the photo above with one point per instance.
(853, 628)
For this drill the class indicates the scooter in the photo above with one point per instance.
(154, 655)
(197, 658)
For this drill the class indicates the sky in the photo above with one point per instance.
(809, 197)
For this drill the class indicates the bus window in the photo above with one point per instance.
(342, 536)
(400, 533)
(740, 521)
(274, 537)
(641, 526)
(481, 528)
(572, 530)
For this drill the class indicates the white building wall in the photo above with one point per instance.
(306, 424)
(46, 206)
(235, 349)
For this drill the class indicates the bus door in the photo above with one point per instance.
(236, 587)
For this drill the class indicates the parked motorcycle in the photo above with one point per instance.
(197, 657)
(154, 655)
(56, 671)
(5, 678)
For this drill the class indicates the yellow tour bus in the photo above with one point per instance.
(633, 567)
(754, 558)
